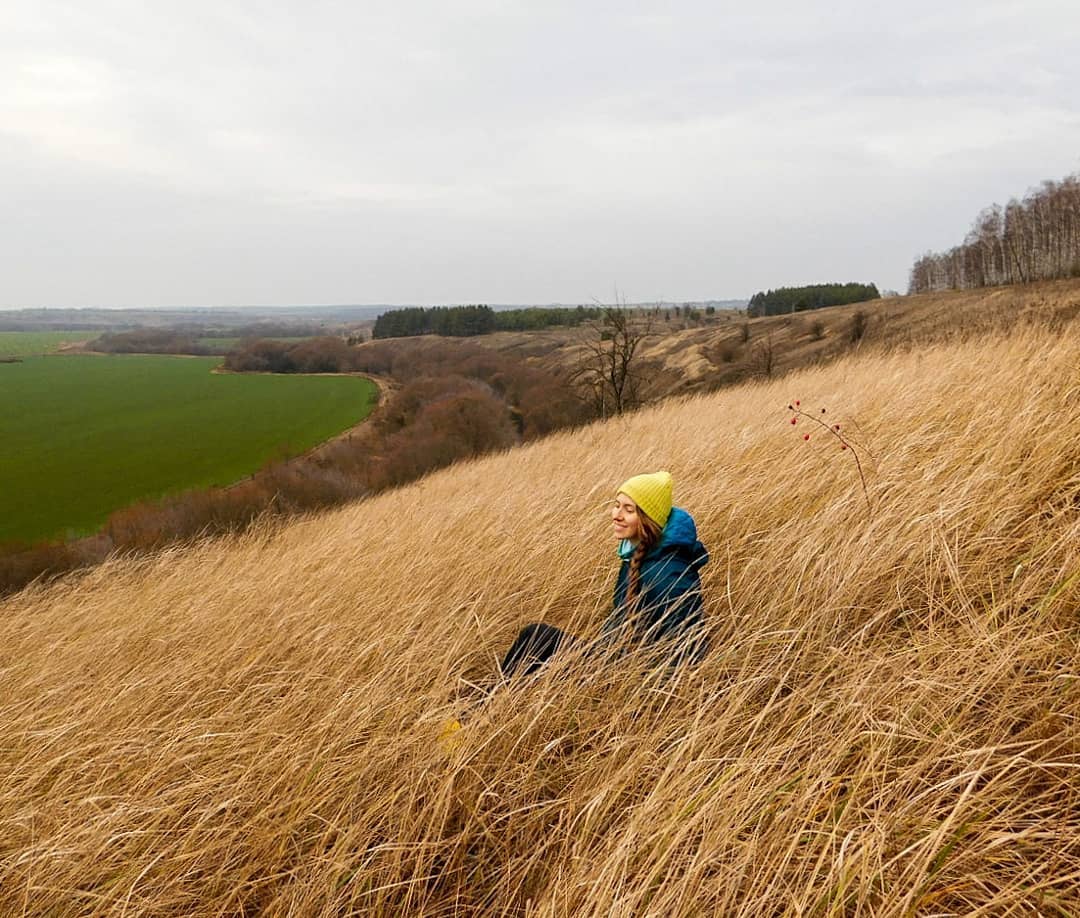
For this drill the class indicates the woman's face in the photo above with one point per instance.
(624, 518)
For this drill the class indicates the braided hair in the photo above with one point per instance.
(648, 537)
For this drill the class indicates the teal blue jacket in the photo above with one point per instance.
(669, 606)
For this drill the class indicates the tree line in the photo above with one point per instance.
(466, 321)
(816, 296)
(451, 321)
(149, 341)
(1037, 238)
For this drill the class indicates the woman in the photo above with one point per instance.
(658, 590)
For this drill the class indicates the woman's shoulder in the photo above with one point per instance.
(679, 541)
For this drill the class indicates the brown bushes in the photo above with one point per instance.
(327, 354)
(459, 426)
(23, 564)
(148, 341)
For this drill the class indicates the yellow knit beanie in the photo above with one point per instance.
(652, 494)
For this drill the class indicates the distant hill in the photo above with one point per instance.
(728, 348)
(225, 317)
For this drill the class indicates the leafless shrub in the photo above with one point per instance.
(609, 374)
(763, 356)
(860, 321)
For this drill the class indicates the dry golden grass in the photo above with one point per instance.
(691, 359)
(887, 722)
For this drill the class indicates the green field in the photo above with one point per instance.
(84, 435)
(24, 344)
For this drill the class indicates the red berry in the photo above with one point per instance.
(806, 436)
(796, 401)
(843, 446)
(794, 420)
(836, 426)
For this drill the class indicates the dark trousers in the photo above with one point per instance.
(532, 648)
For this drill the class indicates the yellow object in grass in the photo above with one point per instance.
(450, 736)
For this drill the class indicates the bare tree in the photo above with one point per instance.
(860, 321)
(609, 375)
(1034, 239)
(763, 356)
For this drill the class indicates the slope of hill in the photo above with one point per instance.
(888, 722)
(726, 349)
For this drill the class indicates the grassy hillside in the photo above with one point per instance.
(726, 349)
(887, 723)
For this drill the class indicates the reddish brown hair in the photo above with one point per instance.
(648, 536)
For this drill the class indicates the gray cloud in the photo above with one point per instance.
(511, 152)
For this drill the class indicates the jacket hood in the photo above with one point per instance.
(681, 530)
(679, 535)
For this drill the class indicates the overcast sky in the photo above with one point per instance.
(274, 153)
